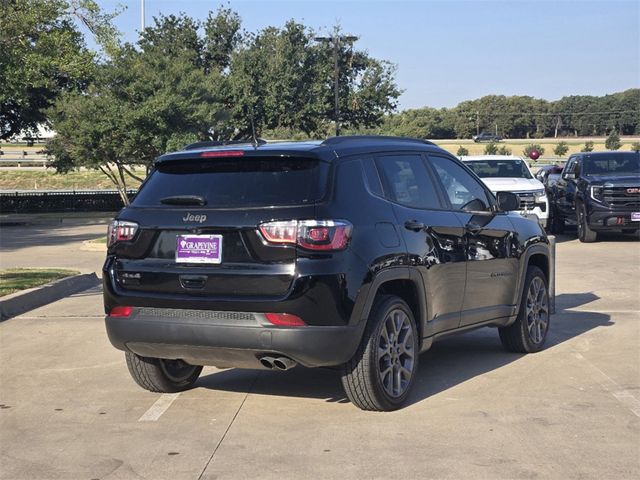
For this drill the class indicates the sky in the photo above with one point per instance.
(450, 51)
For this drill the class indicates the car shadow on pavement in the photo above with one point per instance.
(450, 362)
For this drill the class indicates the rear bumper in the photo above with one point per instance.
(228, 339)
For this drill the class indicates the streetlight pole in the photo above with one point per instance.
(335, 40)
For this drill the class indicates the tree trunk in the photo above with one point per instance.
(118, 180)
(555, 135)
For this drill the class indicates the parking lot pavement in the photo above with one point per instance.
(48, 244)
(68, 408)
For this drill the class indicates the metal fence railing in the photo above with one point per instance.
(62, 201)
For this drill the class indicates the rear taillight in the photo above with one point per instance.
(324, 235)
(120, 311)
(285, 319)
(121, 231)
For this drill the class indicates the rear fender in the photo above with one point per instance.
(361, 315)
(548, 252)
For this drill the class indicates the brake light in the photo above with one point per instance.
(319, 235)
(223, 153)
(280, 232)
(285, 319)
(120, 311)
(121, 231)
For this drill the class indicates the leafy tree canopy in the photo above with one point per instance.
(186, 80)
(42, 53)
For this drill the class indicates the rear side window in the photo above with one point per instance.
(407, 182)
(229, 183)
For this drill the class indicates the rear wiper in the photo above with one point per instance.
(184, 200)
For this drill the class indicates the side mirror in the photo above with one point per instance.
(569, 176)
(507, 201)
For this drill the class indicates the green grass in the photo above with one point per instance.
(16, 279)
(47, 180)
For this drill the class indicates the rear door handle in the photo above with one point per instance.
(413, 225)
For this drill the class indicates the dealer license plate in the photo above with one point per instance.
(199, 249)
(635, 217)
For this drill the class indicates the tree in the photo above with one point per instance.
(140, 104)
(613, 141)
(187, 80)
(531, 147)
(42, 54)
(588, 146)
(462, 152)
(491, 149)
(561, 149)
(283, 79)
(504, 150)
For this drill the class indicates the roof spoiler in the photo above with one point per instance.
(370, 138)
(221, 143)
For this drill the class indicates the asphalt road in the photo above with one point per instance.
(69, 410)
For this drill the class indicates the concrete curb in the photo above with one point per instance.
(91, 246)
(26, 300)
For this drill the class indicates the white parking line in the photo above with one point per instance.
(625, 397)
(159, 407)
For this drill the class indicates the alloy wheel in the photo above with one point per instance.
(537, 310)
(396, 353)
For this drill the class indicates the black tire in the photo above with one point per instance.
(159, 375)
(382, 381)
(585, 234)
(529, 332)
(556, 222)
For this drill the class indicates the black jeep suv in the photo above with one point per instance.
(355, 252)
(598, 191)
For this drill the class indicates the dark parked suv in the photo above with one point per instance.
(486, 137)
(599, 192)
(355, 252)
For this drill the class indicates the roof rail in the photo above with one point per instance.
(356, 138)
(221, 143)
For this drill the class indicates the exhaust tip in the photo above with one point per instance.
(267, 362)
(283, 363)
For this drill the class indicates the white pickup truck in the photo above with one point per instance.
(512, 174)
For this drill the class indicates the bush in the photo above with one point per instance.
(588, 147)
(561, 149)
(503, 150)
(462, 152)
(613, 141)
(635, 146)
(531, 147)
(491, 149)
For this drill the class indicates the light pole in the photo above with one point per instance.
(141, 15)
(336, 40)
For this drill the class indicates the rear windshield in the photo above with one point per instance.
(622, 163)
(499, 168)
(229, 183)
